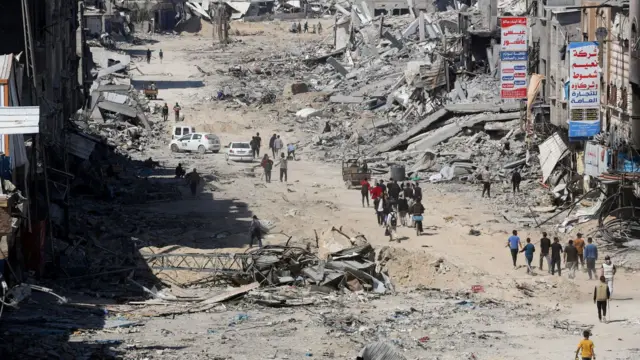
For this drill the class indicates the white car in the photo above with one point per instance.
(199, 142)
(239, 151)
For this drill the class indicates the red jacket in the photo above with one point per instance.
(376, 192)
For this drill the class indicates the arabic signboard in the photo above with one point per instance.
(513, 34)
(513, 79)
(513, 57)
(596, 160)
(584, 90)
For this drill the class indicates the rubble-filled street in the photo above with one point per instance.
(153, 250)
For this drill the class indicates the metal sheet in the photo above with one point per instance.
(552, 151)
(19, 120)
(80, 146)
(6, 63)
(17, 151)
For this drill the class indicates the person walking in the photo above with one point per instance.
(608, 271)
(299, 28)
(514, 244)
(376, 196)
(256, 141)
(380, 209)
(590, 257)
(516, 178)
(391, 221)
(176, 111)
(364, 190)
(305, 28)
(571, 259)
(417, 192)
(486, 182)
(545, 245)
(193, 179)
(408, 191)
(271, 145)
(267, 165)
(319, 28)
(528, 251)
(579, 244)
(277, 144)
(165, 112)
(403, 209)
(283, 167)
(556, 257)
(148, 56)
(586, 347)
(601, 295)
(383, 186)
(161, 55)
(417, 211)
(255, 231)
(291, 152)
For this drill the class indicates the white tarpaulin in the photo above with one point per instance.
(552, 151)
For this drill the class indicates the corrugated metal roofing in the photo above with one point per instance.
(114, 88)
(6, 62)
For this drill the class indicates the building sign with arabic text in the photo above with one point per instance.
(584, 90)
(513, 34)
(513, 57)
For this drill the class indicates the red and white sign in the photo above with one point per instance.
(513, 80)
(514, 34)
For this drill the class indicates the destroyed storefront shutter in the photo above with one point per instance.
(552, 151)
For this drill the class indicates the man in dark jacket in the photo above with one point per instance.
(417, 210)
(403, 209)
(417, 192)
(271, 145)
(256, 141)
(516, 178)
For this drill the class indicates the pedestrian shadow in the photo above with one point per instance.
(616, 320)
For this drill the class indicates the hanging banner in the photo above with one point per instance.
(514, 34)
(513, 79)
(513, 57)
(584, 90)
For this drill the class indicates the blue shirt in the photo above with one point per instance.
(591, 252)
(529, 249)
(513, 242)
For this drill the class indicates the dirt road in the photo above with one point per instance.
(517, 325)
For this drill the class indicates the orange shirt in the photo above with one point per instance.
(586, 346)
(579, 244)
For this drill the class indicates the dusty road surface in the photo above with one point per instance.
(433, 314)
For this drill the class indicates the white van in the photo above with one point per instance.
(181, 130)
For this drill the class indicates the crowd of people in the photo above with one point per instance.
(394, 203)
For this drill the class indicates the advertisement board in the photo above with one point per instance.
(513, 79)
(513, 34)
(584, 90)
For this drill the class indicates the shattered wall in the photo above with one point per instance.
(563, 28)
(616, 97)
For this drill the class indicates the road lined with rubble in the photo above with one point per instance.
(516, 314)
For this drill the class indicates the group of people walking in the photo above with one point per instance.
(577, 253)
(394, 203)
(300, 28)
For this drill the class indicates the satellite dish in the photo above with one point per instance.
(601, 33)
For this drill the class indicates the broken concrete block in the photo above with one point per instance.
(345, 99)
(295, 88)
(336, 65)
(308, 112)
(394, 42)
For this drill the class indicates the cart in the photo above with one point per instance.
(353, 172)
(151, 93)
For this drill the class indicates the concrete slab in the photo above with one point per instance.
(336, 65)
(401, 139)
